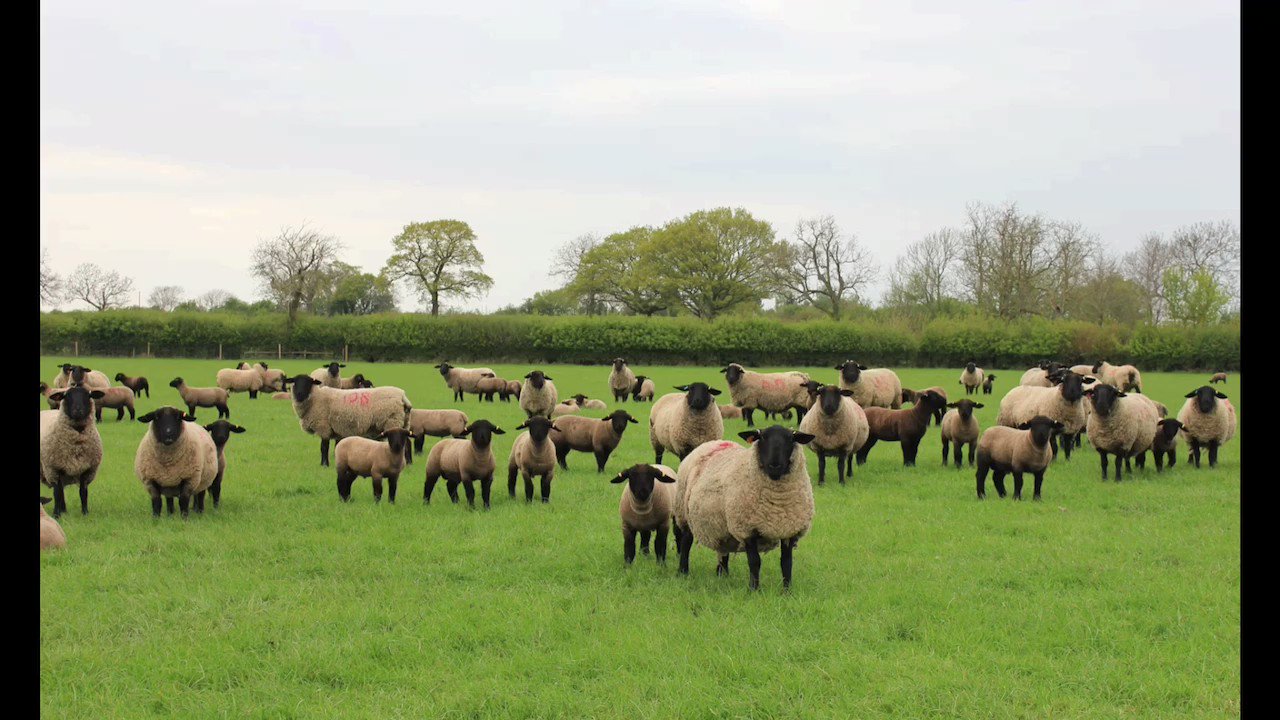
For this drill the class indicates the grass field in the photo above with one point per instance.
(910, 598)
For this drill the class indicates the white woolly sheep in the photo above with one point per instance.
(51, 535)
(682, 421)
(1120, 424)
(354, 382)
(176, 457)
(621, 380)
(568, 407)
(234, 381)
(587, 403)
(838, 426)
(645, 508)
(1003, 450)
(1122, 377)
(375, 459)
(436, 423)
(877, 387)
(538, 395)
(732, 499)
(487, 387)
(79, 375)
(971, 378)
(1063, 402)
(583, 434)
(463, 380)
(328, 376)
(532, 453)
(643, 390)
(770, 392)
(333, 414)
(70, 446)
(960, 428)
(115, 398)
(1208, 419)
(463, 460)
(273, 380)
(202, 397)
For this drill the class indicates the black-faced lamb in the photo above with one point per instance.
(138, 385)
(80, 375)
(621, 380)
(220, 432)
(682, 421)
(532, 454)
(903, 426)
(1165, 443)
(876, 387)
(1208, 420)
(986, 384)
(1123, 377)
(463, 460)
(176, 457)
(645, 508)
(971, 378)
(383, 458)
(1003, 450)
(328, 375)
(115, 398)
(70, 446)
(913, 396)
(643, 390)
(839, 428)
(960, 428)
(234, 381)
(201, 397)
(583, 434)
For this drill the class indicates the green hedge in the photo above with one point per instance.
(752, 341)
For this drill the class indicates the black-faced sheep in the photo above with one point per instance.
(1165, 443)
(538, 394)
(621, 380)
(70, 446)
(333, 414)
(971, 378)
(375, 459)
(839, 428)
(1003, 450)
(80, 375)
(645, 508)
(220, 432)
(905, 426)
(682, 421)
(234, 381)
(176, 457)
(1119, 424)
(436, 423)
(138, 385)
(328, 375)
(960, 428)
(1208, 420)
(598, 436)
(201, 397)
(643, 390)
(1218, 378)
(463, 460)
(1063, 401)
(532, 453)
(877, 387)
(986, 384)
(913, 396)
(463, 380)
(770, 392)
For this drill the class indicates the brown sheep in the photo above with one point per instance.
(584, 434)
(905, 426)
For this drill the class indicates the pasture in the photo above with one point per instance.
(910, 597)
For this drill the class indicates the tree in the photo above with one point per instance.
(924, 274)
(1210, 246)
(1193, 296)
(1145, 267)
(213, 299)
(822, 268)
(438, 259)
(362, 294)
(291, 265)
(620, 270)
(567, 264)
(50, 283)
(165, 297)
(99, 288)
(716, 260)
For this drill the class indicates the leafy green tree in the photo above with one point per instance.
(362, 294)
(438, 259)
(621, 269)
(713, 261)
(1193, 297)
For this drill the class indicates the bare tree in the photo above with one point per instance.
(925, 273)
(213, 299)
(1007, 260)
(1145, 266)
(50, 283)
(567, 263)
(1074, 253)
(821, 267)
(1211, 246)
(291, 265)
(165, 297)
(99, 288)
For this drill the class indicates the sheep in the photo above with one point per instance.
(175, 457)
(1123, 377)
(436, 423)
(272, 380)
(282, 396)
(1039, 376)
(1119, 424)
(51, 535)
(70, 446)
(234, 381)
(905, 426)
(1063, 401)
(138, 384)
(1207, 418)
(986, 384)
(354, 382)
(565, 408)
(770, 392)
(462, 380)
(79, 375)
(878, 387)
(682, 421)
(63, 378)
(960, 427)
(621, 380)
(46, 391)
(333, 414)
(327, 375)
(1003, 450)
(643, 390)
(732, 499)
(220, 432)
(838, 426)
(971, 378)
(374, 459)
(730, 412)
(464, 459)
(489, 386)
(645, 507)
(913, 396)
(1165, 443)
(116, 398)
(201, 397)
(513, 389)
(532, 454)
(538, 395)
(587, 403)
(599, 436)
(1218, 378)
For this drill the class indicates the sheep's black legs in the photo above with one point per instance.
(1118, 471)
(419, 442)
(324, 452)
(392, 481)
(1194, 455)
(1053, 444)
(1127, 466)
(1159, 458)
(660, 545)
(377, 488)
(981, 478)
(184, 500)
(684, 541)
(59, 499)
(169, 502)
(748, 415)
(470, 487)
(909, 450)
(197, 501)
(628, 546)
(972, 446)
(408, 454)
(865, 450)
(822, 468)
(485, 484)
(546, 488)
(1140, 461)
(84, 488)
(1173, 458)
(840, 467)
(155, 506)
(788, 544)
(644, 541)
(657, 455)
(511, 482)
(1039, 478)
(1103, 455)
(562, 455)
(601, 459)
(946, 446)
(722, 565)
(428, 487)
(528, 488)
(1017, 486)
(997, 479)
(216, 489)
(452, 487)
(344, 486)
(753, 561)
(1213, 453)
(224, 411)
(848, 464)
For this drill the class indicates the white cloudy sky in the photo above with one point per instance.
(175, 135)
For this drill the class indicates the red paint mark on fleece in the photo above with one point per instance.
(723, 445)
(358, 399)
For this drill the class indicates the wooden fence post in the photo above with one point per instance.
(77, 344)
(344, 352)
(148, 349)
(219, 351)
(279, 351)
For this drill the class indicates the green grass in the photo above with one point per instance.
(910, 598)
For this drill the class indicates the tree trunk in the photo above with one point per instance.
(435, 304)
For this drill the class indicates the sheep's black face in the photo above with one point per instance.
(698, 395)
(1103, 397)
(829, 398)
(77, 402)
(619, 363)
(639, 383)
(481, 433)
(119, 377)
(990, 378)
(1042, 428)
(850, 371)
(537, 379)
(971, 367)
(774, 448)
(932, 400)
(1071, 385)
(1206, 398)
(732, 373)
(66, 367)
(964, 408)
(357, 380)
(302, 386)
(78, 373)
(333, 368)
(221, 431)
(619, 419)
(1169, 428)
(579, 399)
(640, 480)
(444, 369)
(166, 424)
(538, 426)
(397, 438)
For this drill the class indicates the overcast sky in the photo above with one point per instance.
(174, 136)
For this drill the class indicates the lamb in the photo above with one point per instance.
(645, 508)
(489, 386)
(730, 412)
(138, 384)
(532, 454)
(986, 384)
(1217, 378)
(1123, 377)
(176, 457)
(436, 423)
(463, 380)
(879, 387)
(960, 427)
(240, 381)
(201, 397)
(839, 427)
(753, 499)
(328, 375)
(1024, 449)
(272, 380)
(63, 378)
(46, 391)
(1119, 424)
(220, 432)
(513, 389)
(538, 395)
(354, 382)
(770, 392)
(70, 446)
(643, 390)
(905, 426)
(51, 535)
(1207, 418)
(913, 397)
(567, 407)
(587, 403)
(374, 459)
(463, 460)
(116, 398)
(333, 414)
(1165, 443)
(79, 375)
(1063, 401)
(599, 436)
(621, 379)
(682, 421)
(971, 378)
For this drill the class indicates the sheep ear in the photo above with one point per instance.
(464, 433)
(663, 477)
(952, 405)
(96, 394)
(619, 478)
(847, 393)
(499, 431)
(685, 388)
(44, 500)
(57, 396)
(631, 419)
(713, 391)
(802, 437)
(978, 405)
(1088, 380)
(726, 369)
(1024, 426)
(862, 367)
(523, 425)
(529, 375)
(1120, 394)
(750, 435)
(435, 366)
(1221, 395)
(342, 364)
(1190, 394)
(838, 367)
(144, 418)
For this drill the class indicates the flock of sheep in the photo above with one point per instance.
(725, 496)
